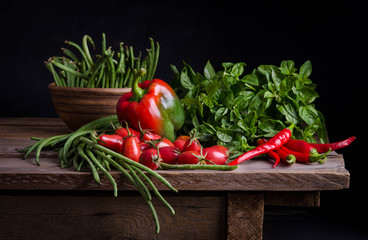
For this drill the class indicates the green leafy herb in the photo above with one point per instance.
(234, 108)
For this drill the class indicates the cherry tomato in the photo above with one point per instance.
(131, 148)
(215, 154)
(169, 154)
(150, 158)
(123, 132)
(180, 141)
(148, 136)
(112, 142)
(192, 144)
(143, 146)
(189, 157)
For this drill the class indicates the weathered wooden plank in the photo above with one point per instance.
(245, 215)
(31, 127)
(55, 216)
(16, 173)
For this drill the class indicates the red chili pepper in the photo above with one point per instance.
(274, 143)
(112, 142)
(302, 146)
(287, 158)
(270, 154)
(153, 104)
(324, 147)
(305, 157)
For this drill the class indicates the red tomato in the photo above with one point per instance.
(148, 136)
(216, 154)
(180, 141)
(130, 148)
(192, 144)
(112, 142)
(189, 157)
(164, 142)
(123, 132)
(169, 154)
(150, 158)
(143, 146)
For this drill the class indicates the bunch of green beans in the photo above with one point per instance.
(105, 70)
(81, 150)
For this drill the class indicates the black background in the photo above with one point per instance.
(330, 34)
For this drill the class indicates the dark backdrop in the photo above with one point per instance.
(330, 34)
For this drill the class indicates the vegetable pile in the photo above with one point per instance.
(234, 109)
(104, 70)
(213, 121)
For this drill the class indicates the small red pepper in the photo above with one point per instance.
(112, 142)
(302, 146)
(305, 157)
(324, 147)
(274, 143)
(271, 154)
(287, 158)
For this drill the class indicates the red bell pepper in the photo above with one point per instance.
(152, 104)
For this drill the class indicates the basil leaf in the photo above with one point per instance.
(224, 135)
(220, 113)
(305, 70)
(287, 67)
(251, 79)
(308, 113)
(209, 72)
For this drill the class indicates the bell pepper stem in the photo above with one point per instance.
(138, 92)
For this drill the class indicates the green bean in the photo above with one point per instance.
(70, 140)
(99, 123)
(70, 54)
(87, 39)
(157, 53)
(138, 180)
(86, 158)
(131, 54)
(155, 217)
(59, 65)
(198, 166)
(112, 71)
(129, 161)
(127, 76)
(104, 171)
(103, 42)
(80, 50)
(54, 74)
(153, 187)
(121, 169)
(41, 144)
(121, 64)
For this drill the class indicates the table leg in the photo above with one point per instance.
(245, 212)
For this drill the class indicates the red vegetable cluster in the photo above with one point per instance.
(150, 149)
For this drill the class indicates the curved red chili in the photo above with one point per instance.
(305, 157)
(274, 143)
(287, 158)
(271, 154)
(324, 147)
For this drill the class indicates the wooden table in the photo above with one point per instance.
(47, 202)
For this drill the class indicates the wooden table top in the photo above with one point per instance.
(252, 175)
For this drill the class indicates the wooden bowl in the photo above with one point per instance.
(78, 106)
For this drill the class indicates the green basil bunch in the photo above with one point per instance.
(234, 108)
